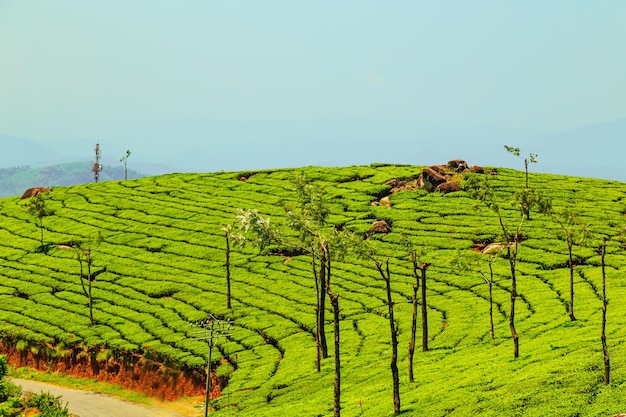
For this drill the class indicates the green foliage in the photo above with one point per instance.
(163, 246)
(48, 404)
(39, 209)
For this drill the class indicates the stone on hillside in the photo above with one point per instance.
(379, 226)
(32, 192)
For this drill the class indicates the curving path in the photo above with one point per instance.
(92, 404)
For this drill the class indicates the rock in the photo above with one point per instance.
(457, 165)
(431, 179)
(32, 192)
(493, 248)
(448, 187)
(379, 226)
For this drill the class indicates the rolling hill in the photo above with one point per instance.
(160, 267)
(14, 181)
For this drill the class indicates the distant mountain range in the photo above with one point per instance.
(15, 180)
(590, 151)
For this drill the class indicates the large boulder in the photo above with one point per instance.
(448, 187)
(379, 226)
(431, 179)
(32, 192)
(457, 165)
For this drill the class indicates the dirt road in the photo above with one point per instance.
(91, 404)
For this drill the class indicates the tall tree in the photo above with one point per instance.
(480, 189)
(124, 160)
(573, 233)
(386, 276)
(605, 349)
(364, 249)
(37, 207)
(416, 286)
(315, 238)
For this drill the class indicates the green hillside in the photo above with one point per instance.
(164, 253)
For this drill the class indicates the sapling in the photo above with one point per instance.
(573, 232)
(37, 207)
(124, 160)
(228, 236)
(84, 256)
(532, 158)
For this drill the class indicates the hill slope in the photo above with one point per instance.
(163, 250)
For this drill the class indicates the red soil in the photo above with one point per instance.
(134, 372)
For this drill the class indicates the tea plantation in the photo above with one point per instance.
(161, 267)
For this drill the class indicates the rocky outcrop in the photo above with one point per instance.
(32, 192)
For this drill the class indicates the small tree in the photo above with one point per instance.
(532, 158)
(525, 197)
(85, 258)
(229, 235)
(38, 208)
(491, 259)
(124, 160)
(573, 233)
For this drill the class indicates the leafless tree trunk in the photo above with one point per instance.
(514, 335)
(227, 264)
(414, 318)
(491, 328)
(317, 310)
(423, 266)
(334, 300)
(89, 286)
(321, 312)
(394, 336)
(605, 349)
(571, 281)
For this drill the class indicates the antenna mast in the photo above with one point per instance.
(96, 166)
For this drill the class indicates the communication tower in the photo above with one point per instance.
(96, 166)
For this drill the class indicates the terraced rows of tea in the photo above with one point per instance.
(160, 267)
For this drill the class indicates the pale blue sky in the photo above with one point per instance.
(261, 75)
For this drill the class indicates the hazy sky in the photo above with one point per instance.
(184, 73)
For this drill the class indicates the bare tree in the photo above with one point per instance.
(491, 258)
(124, 160)
(572, 232)
(386, 276)
(228, 230)
(605, 349)
(414, 299)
